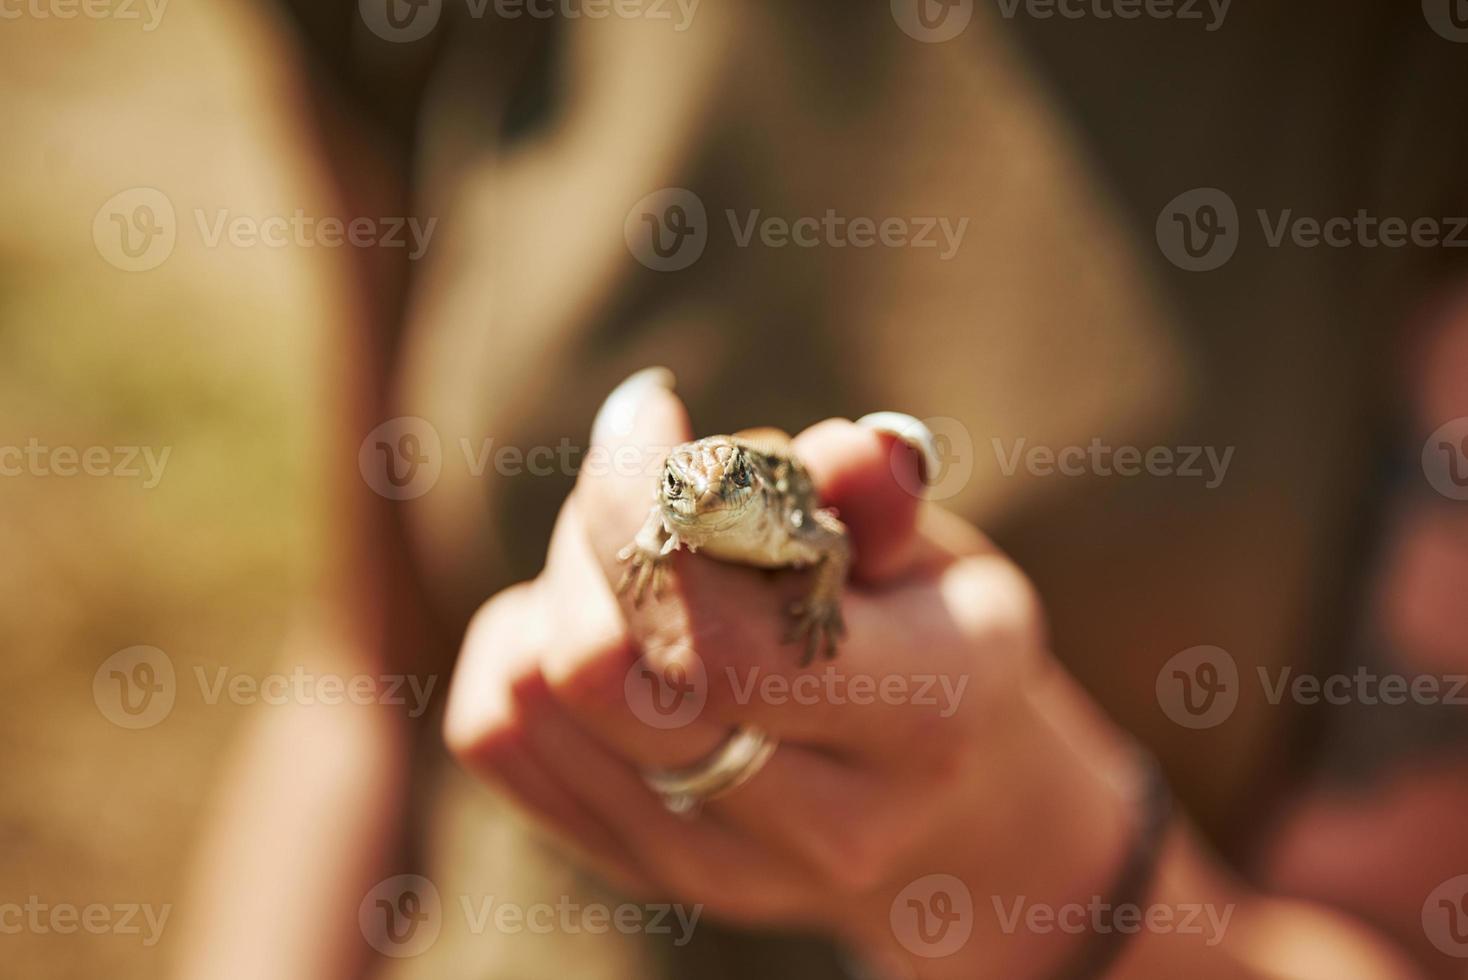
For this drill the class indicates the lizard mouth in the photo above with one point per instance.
(712, 515)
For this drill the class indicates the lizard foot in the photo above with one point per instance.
(644, 569)
(818, 624)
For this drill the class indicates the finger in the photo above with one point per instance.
(485, 730)
(641, 420)
(844, 824)
(700, 860)
(874, 480)
(592, 665)
(856, 471)
(913, 653)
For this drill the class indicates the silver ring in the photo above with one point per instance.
(912, 431)
(722, 771)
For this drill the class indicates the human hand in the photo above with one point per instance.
(932, 745)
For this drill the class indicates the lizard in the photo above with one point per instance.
(746, 498)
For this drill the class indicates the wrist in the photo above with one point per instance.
(1045, 821)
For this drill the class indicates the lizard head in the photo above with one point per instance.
(710, 481)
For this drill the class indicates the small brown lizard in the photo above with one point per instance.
(745, 498)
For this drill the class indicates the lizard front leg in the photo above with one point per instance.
(817, 618)
(647, 558)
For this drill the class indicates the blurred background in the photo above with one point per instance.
(241, 238)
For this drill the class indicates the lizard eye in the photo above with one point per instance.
(675, 485)
(740, 476)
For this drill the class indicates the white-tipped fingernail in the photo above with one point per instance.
(618, 414)
(914, 432)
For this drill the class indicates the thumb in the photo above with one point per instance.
(637, 425)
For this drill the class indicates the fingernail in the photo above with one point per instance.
(912, 431)
(618, 414)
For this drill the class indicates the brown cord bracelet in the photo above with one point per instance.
(1133, 882)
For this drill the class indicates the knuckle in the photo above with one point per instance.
(1006, 610)
(857, 859)
(742, 898)
(590, 676)
(486, 742)
(497, 658)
